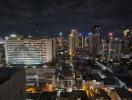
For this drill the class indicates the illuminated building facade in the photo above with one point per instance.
(60, 42)
(29, 51)
(73, 41)
(115, 49)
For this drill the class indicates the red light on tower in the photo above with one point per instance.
(110, 34)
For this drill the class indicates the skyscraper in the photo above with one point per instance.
(127, 34)
(97, 38)
(60, 42)
(73, 41)
(92, 41)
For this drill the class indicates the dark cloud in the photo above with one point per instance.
(40, 16)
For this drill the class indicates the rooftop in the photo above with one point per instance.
(29, 38)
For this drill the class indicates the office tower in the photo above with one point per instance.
(81, 41)
(92, 41)
(29, 51)
(127, 34)
(60, 42)
(73, 41)
(103, 49)
(61, 38)
(109, 47)
(116, 48)
(97, 37)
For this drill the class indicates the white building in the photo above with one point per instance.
(29, 51)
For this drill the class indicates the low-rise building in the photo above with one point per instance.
(37, 76)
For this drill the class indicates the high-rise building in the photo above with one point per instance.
(92, 41)
(111, 50)
(60, 42)
(127, 41)
(81, 41)
(73, 41)
(29, 51)
(103, 49)
(96, 36)
(116, 48)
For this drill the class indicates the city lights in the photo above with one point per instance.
(65, 50)
(59, 65)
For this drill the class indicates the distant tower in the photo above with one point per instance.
(96, 30)
(103, 49)
(90, 37)
(61, 38)
(81, 40)
(127, 38)
(110, 47)
(60, 41)
(73, 42)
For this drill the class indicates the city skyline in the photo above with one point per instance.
(65, 50)
(87, 66)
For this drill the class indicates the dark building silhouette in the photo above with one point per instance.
(12, 83)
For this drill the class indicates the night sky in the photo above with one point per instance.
(41, 17)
